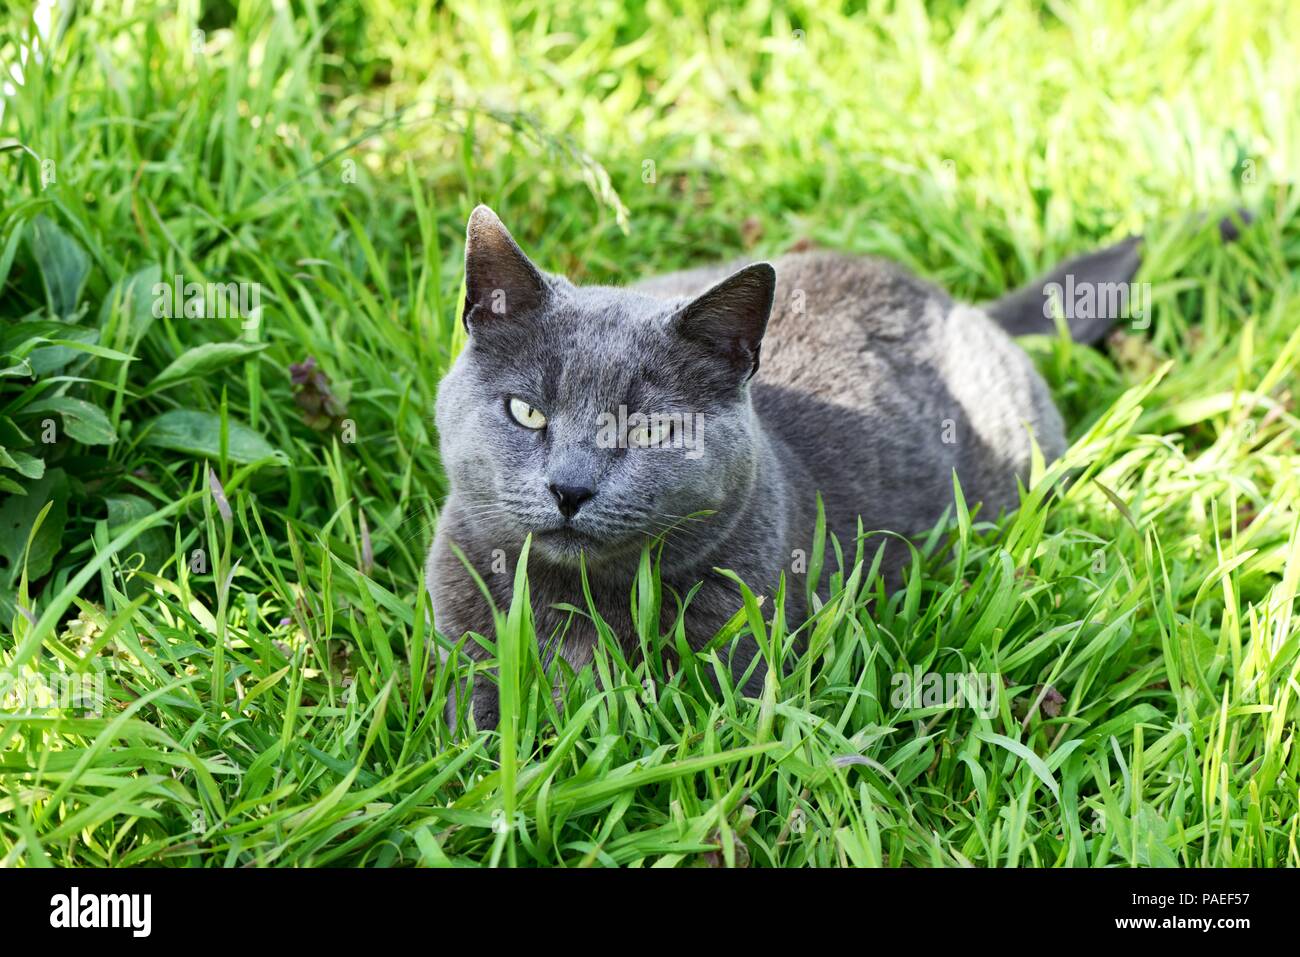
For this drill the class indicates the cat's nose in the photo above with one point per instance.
(570, 497)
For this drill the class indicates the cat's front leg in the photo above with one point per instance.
(460, 608)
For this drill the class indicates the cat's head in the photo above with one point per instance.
(595, 417)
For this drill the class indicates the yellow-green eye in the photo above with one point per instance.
(526, 415)
(654, 433)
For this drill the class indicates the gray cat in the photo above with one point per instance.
(595, 418)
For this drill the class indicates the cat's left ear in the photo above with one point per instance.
(729, 319)
(499, 279)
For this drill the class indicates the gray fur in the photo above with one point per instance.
(873, 388)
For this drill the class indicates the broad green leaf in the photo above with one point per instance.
(26, 465)
(64, 265)
(82, 421)
(199, 434)
(124, 511)
(11, 435)
(202, 360)
(29, 339)
(20, 338)
(16, 517)
(134, 295)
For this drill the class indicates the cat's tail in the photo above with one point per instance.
(1091, 291)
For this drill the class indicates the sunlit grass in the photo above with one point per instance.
(270, 680)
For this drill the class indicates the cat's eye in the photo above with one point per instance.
(654, 433)
(526, 415)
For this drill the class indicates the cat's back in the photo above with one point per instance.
(843, 324)
(850, 294)
(832, 313)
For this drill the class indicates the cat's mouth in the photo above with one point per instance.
(567, 537)
(566, 542)
(565, 533)
(565, 545)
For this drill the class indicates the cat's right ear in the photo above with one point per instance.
(499, 279)
(729, 319)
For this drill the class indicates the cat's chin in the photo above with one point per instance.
(565, 546)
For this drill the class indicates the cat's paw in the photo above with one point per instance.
(479, 706)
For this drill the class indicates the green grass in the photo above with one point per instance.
(264, 667)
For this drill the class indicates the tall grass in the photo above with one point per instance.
(235, 551)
